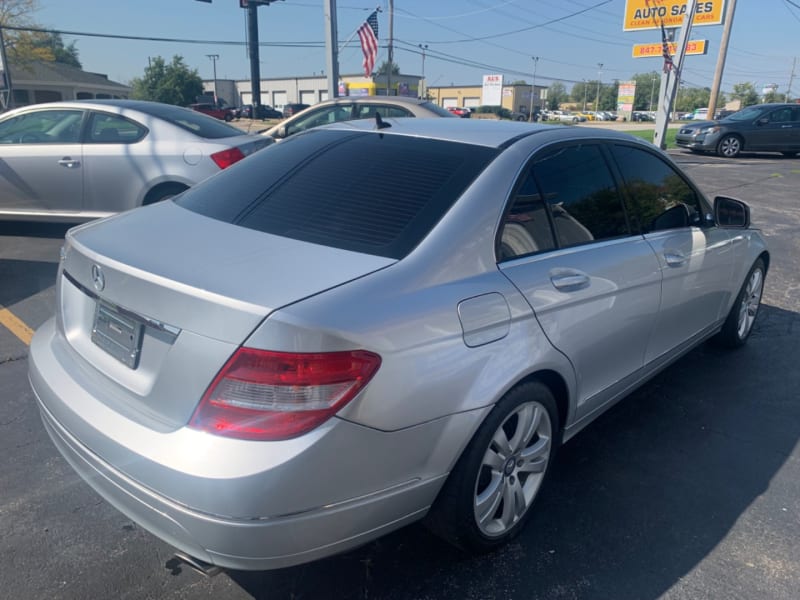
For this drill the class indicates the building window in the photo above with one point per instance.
(21, 98)
(84, 96)
(40, 96)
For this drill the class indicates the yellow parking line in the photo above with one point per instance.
(15, 325)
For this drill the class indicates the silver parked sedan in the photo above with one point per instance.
(75, 161)
(358, 328)
(348, 108)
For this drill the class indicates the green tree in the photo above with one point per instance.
(384, 67)
(172, 83)
(647, 85)
(775, 97)
(556, 94)
(582, 95)
(746, 93)
(689, 98)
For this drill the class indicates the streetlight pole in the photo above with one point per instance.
(533, 87)
(423, 47)
(214, 58)
(597, 97)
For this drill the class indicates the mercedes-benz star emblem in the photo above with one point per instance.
(98, 278)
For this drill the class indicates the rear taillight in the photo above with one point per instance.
(225, 158)
(265, 395)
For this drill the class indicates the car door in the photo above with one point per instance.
(593, 285)
(772, 131)
(115, 175)
(41, 161)
(695, 257)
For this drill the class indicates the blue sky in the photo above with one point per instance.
(765, 38)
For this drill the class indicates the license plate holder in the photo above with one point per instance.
(118, 334)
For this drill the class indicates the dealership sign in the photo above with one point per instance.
(656, 50)
(492, 90)
(651, 14)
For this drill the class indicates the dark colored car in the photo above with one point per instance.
(293, 109)
(760, 128)
(224, 114)
(264, 112)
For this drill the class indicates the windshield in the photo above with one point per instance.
(748, 114)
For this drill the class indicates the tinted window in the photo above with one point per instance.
(113, 129)
(373, 193)
(526, 227)
(62, 126)
(367, 111)
(442, 112)
(658, 197)
(323, 116)
(190, 120)
(581, 196)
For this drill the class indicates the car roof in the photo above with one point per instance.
(480, 132)
(396, 100)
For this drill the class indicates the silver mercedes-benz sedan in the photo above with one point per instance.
(365, 326)
(76, 161)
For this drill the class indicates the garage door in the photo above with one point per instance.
(279, 100)
(449, 102)
(308, 97)
(472, 102)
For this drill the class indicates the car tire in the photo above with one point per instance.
(789, 154)
(729, 146)
(228, 117)
(739, 323)
(487, 497)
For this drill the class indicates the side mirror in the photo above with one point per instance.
(729, 212)
(762, 121)
(281, 133)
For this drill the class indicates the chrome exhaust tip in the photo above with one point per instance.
(200, 566)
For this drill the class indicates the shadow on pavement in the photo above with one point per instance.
(634, 504)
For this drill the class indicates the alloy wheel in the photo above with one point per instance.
(512, 468)
(751, 299)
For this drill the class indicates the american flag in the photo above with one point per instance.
(368, 34)
(668, 64)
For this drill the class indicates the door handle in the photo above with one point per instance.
(570, 281)
(674, 258)
(69, 162)
(786, 126)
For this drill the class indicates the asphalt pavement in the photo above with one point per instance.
(689, 489)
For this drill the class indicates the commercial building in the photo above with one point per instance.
(277, 92)
(515, 97)
(43, 81)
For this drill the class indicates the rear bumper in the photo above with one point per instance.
(257, 505)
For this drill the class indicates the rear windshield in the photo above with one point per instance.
(360, 191)
(195, 122)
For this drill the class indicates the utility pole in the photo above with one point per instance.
(214, 58)
(533, 87)
(423, 47)
(584, 95)
(332, 44)
(6, 93)
(599, 77)
(723, 52)
(391, 49)
(791, 79)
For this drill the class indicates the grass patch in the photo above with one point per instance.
(647, 135)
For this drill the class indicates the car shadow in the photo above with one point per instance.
(634, 504)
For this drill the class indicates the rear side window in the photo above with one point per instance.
(192, 121)
(106, 128)
(581, 195)
(375, 193)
